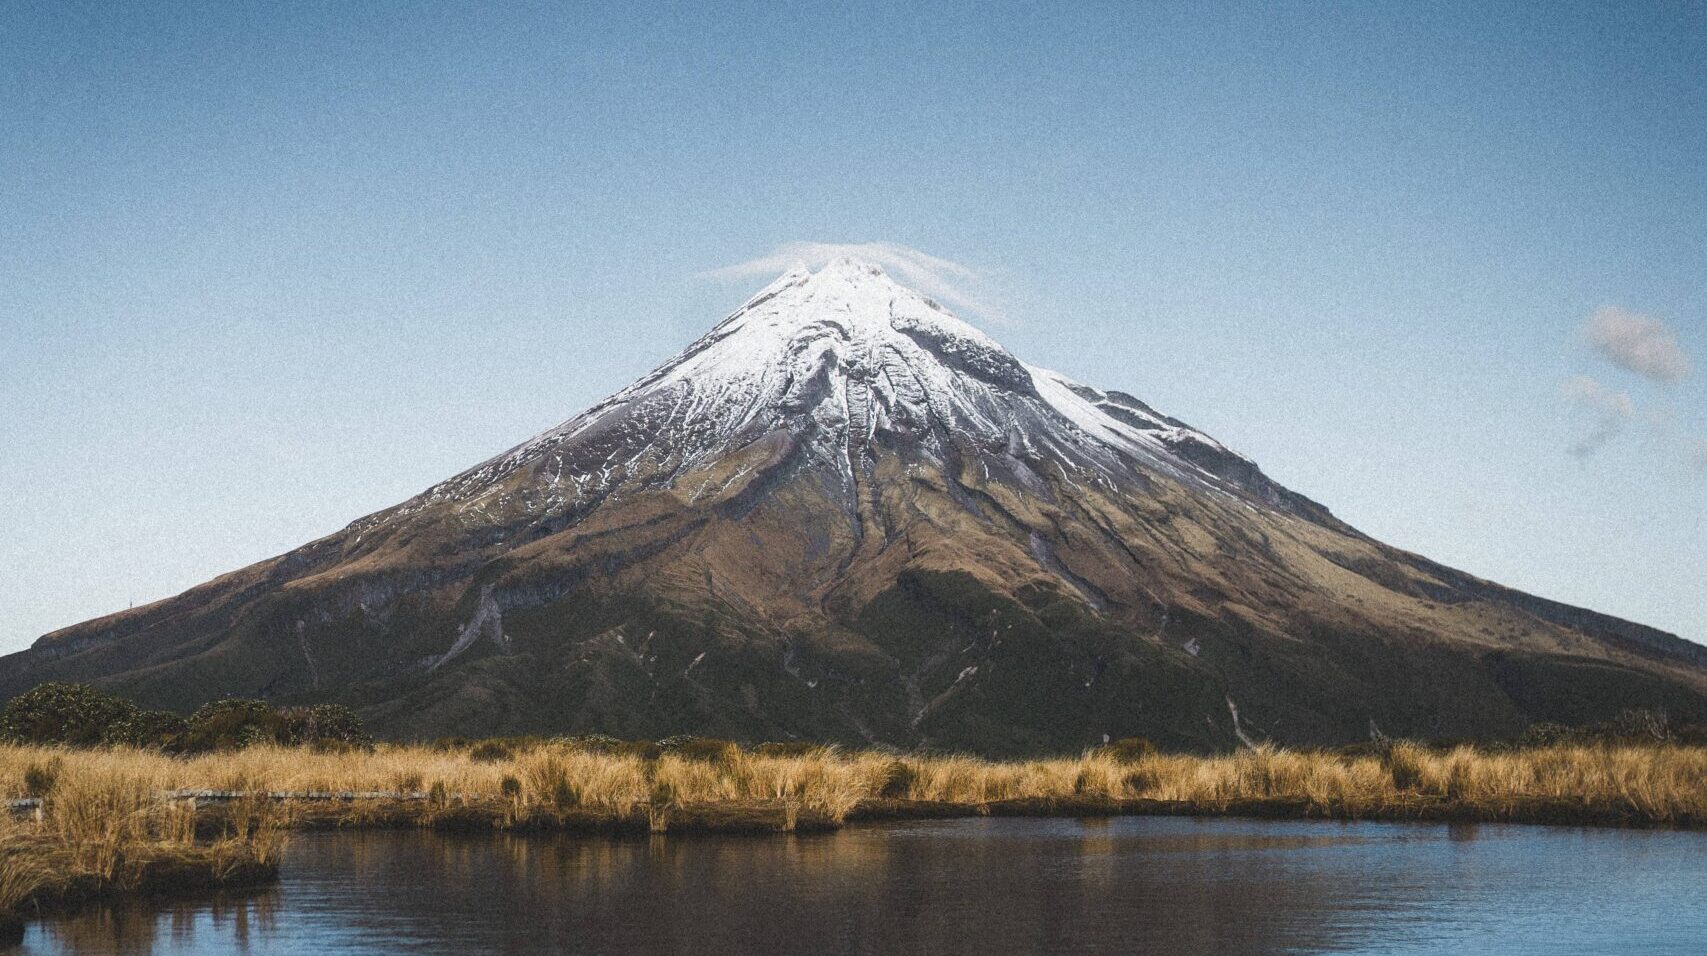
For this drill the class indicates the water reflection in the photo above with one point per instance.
(1135, 885)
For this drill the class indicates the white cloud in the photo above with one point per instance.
(1638, 343)
(1610, 408)
(956, 284)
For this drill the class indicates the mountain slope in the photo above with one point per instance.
(845, 514)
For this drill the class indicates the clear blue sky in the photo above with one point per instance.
(264, 270)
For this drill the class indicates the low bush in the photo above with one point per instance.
(1633, 726)
(151, 729)
(704, 749)
(58, 712)
(595, 743)
(1545, 734)
(323, 723)
(79, 715)
(235, 723)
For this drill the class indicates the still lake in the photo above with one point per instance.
(1125, 885)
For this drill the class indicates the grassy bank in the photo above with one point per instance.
(108, 823)
(103, 830)
(520, 784)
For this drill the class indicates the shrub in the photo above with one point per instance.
(59, 712)
(231, 724)
(324, 723)
(158, 729)
(235, 723)
(704, 749)
(81, 716)
(238, 723)
(595, 743)
(612, 746)
(1545, 734)
(1638, 725)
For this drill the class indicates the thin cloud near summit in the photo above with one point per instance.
(960, 285)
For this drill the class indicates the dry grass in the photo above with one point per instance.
(23, 873)
(103, 800)
(104, 828)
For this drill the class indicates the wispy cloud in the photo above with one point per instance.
(957, 284)
(1610, 409)
(1638, 343)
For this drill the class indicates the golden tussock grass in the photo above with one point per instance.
(99, 802)
(104, 798)
(105, 827)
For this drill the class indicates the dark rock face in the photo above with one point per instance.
(844, 515)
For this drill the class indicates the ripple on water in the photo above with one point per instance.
(992, 886)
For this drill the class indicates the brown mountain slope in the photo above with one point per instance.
(845, 515)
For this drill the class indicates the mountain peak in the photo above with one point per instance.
(844, 514)
(845, 367)
(852, 266)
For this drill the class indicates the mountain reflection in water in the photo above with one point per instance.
(1129, 885)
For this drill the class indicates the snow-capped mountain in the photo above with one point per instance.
(846, 514)
(853, 365)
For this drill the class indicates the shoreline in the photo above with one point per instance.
(176, 872)
(187, 874)
(762, 818)
(116, 821)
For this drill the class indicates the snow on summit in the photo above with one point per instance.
(842, 364)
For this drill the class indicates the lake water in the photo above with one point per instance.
(1126, 885)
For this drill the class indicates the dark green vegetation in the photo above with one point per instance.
(1050, 677)
(79, 715)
